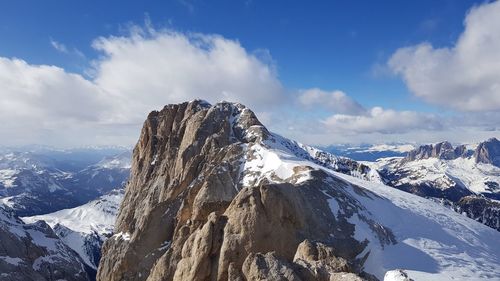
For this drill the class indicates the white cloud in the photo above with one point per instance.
(466, 76)
(385, 121)
(47, 91)
(150, 68)
(134, 75)
(145, 71)
(59, 46)
(40, 103)
(334, 101)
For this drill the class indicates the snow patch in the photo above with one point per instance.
(11, 260)
(122, 235)
(7, 177)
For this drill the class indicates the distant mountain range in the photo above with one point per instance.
(34, 252)
(38, 180)
(464, 177)
(42, 181)
(85, 228)
(369, 152)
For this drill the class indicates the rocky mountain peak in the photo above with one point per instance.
(488, 152)
(442, 150)
(200, 174)
(213, 195)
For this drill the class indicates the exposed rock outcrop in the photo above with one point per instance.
(34, 252)
(205, 201)
(488, 152)
(467, 177)
(441, 150)
(481, 209)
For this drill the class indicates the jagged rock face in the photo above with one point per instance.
(34, 252)
(488, 152)
(450, 173)
(481, 209)
(195, 209)
(442, 150)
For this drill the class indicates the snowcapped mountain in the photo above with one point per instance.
(213, 195)
(85, 228)
(43, 181)
(337, 163)
(35, 252)
(368, 152)
(452, 173)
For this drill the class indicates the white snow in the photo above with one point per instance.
(265, 163)
(56, 251)
(433, 242)
(445, 172)
(122, 235)
(7, 177)
(121, 161)
(7, 201)
(53, 187)
(165, 245)
(84, 222)
(396, 275)
(42, 240)
(98, 215)
(76, 241)
(11, 260)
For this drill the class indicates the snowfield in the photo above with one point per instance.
(98, 215)
(432, 242)
(85, 228)
(465, 171)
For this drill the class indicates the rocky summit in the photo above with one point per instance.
(214, 195)
(194, 211)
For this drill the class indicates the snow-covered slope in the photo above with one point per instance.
(34, 252)
(301, 151)
(478, 178)
(85, 228)
(431, 242)
(446, 168)
(34, 183)
(464, 177)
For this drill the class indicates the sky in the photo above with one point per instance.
(76, 73)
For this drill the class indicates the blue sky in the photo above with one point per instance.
(329, 45)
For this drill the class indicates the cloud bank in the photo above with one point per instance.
(465, 77)
(335, 101)
(385, 121)
(144, 70)
(134, 75)
(148, 68)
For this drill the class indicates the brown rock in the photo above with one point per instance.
(268, 267)
(188, 217)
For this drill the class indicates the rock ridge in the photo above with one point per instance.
(196, 207)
